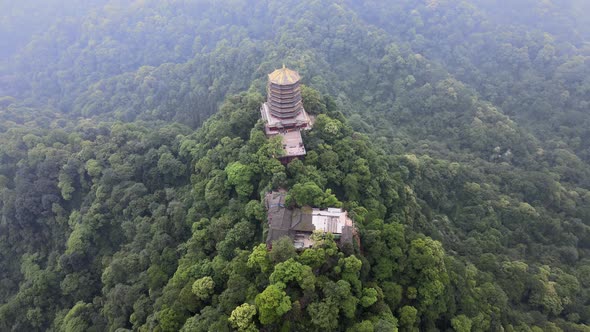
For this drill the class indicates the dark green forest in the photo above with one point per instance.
(133, 165)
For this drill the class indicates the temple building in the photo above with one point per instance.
(300, 223)
(283, 112)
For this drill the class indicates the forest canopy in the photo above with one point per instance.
(133, 165)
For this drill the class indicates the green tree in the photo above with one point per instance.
(282, 250)
(203, 287)
(240, 176)
(312, 100)
(408, 318)
(242, 318)
(290, 270)
(369, 297)
(310, 194)
(324, 315)
(461, 323)
(76, 320)
(364, 326)
(259, 258)
(169, 320)
(272, 304)
(426, 261)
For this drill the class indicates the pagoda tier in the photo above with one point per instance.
(275, 125)
(285, 101)
(283, 94)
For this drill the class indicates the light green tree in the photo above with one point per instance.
(272, 304)
(240, 176)
(461, 323)
(259, 258)
(241, 318)
(408, 317)
(291, 270)
(203, 287)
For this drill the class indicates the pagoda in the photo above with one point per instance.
(283, 112)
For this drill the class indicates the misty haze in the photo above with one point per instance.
(295, 165)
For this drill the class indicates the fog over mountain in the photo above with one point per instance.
(141, 144)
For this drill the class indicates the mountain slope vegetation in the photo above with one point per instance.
(454, 132)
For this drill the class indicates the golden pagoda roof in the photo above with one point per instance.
(284, 76)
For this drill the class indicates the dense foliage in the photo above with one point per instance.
(133, 163)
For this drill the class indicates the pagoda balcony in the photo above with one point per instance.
(284, 94)
(281, 100)
(285, 105)
(284, 86)
(283, 113)
(286, 115)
